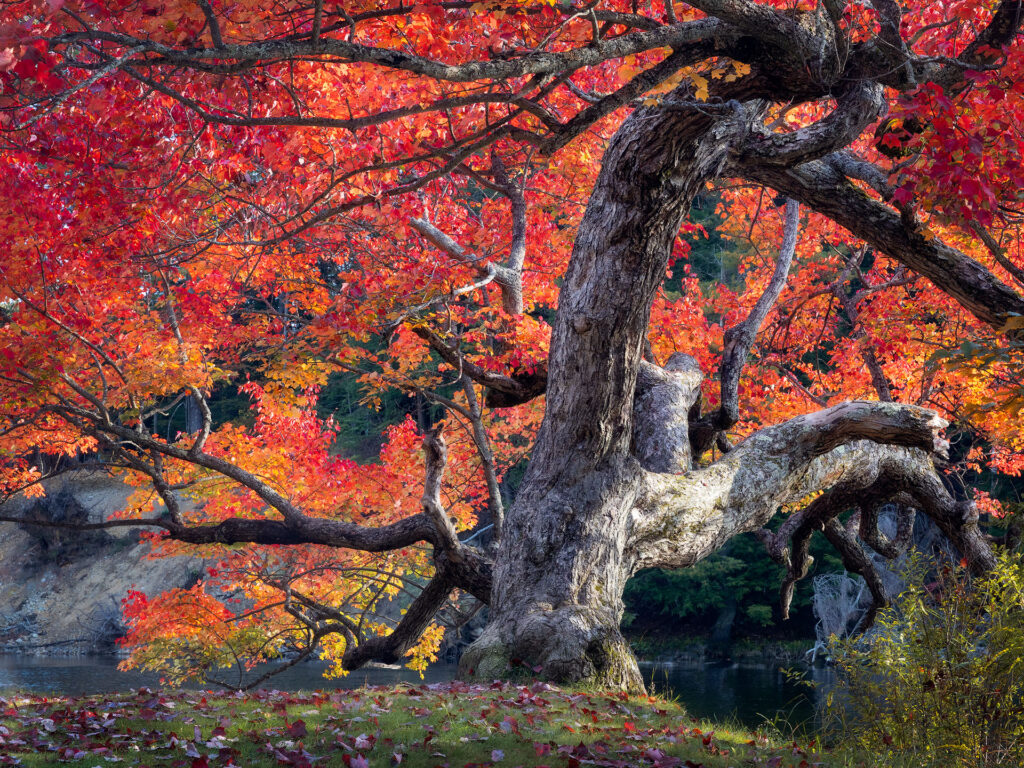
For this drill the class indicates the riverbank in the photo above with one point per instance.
(449, 724)
(749, 694)
(61, 592)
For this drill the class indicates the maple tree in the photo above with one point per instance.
(484, 203)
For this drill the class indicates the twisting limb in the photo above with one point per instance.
(820, 186)
(872, 535)
(856, 108)
(740, 338)
(856, 560)
(680, 519)
(789, 546)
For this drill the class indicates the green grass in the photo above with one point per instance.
(454, 725)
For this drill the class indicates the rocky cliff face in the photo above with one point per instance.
(61, 591)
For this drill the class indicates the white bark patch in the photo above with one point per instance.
(680, 519)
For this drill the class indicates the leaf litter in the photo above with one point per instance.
(449, 725)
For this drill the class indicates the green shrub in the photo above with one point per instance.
(940, 679)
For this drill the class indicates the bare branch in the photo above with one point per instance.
(212, 23)
(505, 276)
(998, 253)
(234, 58)
(495, 504)
(740, 338)
(436, 454)
(820, 186)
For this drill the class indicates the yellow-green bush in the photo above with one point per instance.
(940, 679)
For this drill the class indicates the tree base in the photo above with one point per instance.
(564, 645)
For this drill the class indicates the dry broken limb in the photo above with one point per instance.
(612, 485)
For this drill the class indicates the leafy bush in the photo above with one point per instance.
(940, 679)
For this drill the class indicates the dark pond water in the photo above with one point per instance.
(750, 694)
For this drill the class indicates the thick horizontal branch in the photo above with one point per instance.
(682, 518)
(820, 186)
(303, 528)
(331, 533)
(140, 522)
(229, 57)
(470, 571)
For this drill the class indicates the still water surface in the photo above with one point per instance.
(750, 694)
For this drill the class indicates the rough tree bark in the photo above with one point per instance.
(610, 488)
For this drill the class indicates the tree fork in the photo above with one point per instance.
(556, 602)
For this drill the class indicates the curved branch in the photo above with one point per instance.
(820, 186)
(856, 560)
(739, 339)
(790, 544)
(392, 647)
(872, 535)
(680, 519)
(855, 109)
(231, 59)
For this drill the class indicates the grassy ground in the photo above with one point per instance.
(453, 725)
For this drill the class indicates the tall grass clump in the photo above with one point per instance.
(939, 680)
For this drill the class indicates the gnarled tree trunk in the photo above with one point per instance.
(610, 488)
(559, 576)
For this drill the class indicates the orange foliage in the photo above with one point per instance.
(173, 230)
